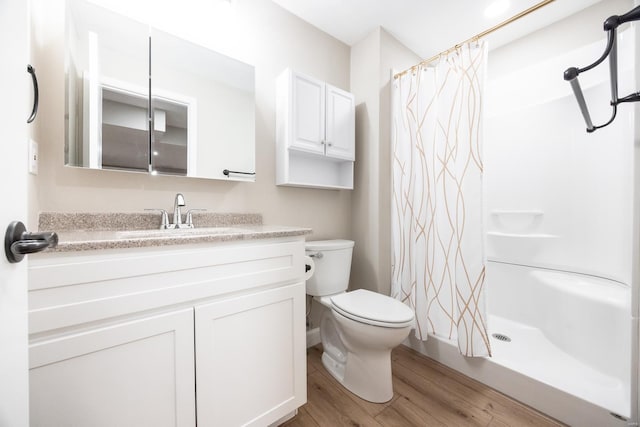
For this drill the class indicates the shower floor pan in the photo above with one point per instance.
(530, 353)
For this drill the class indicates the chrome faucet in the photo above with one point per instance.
(177, 215)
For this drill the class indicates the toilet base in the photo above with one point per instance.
(370, 380)
(335, 368)
(358, 355)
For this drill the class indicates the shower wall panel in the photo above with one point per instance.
(556, 196)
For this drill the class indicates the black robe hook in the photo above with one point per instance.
(611, 51)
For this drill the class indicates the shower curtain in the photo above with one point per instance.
(437, 242)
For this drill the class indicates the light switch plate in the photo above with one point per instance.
(33, 157)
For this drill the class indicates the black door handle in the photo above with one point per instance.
(36, 95)
(18, 241)
(23, 247)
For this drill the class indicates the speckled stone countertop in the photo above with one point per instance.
(92, 231)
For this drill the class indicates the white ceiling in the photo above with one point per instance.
(426, 26)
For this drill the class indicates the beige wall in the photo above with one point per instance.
(263, 35)
(365, 60)
(372, 61)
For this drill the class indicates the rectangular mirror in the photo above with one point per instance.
(142, 100)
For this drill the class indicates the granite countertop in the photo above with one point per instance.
(92, 231)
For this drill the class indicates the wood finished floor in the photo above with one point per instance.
(426, 393)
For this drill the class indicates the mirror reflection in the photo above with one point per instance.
(139, 99)
(124, 131)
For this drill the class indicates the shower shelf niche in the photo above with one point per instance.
(518, 222)
(522, 235)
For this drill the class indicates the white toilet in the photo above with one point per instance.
(360, 328)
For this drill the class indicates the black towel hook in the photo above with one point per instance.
(34, 79)
(611, 51)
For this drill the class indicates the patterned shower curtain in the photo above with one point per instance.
(438, 259)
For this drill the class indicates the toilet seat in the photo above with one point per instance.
(372, 308)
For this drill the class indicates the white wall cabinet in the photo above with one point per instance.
(340, 140)
(315, 133)
(213, 334)
(307, 112)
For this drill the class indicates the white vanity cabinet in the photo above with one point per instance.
(168, 336)
(315, 133)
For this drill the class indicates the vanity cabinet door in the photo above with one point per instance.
(340, 128)
(134, 373)
(308, 114)
(250, 358)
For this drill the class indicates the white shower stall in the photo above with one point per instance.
(559, 227)
(560, 221)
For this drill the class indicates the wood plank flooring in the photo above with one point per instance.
(426, 393)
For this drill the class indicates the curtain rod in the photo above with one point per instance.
(477, 36)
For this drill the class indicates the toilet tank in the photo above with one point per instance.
(332, 260)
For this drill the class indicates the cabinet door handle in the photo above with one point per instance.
(329, 144)
(227, 172)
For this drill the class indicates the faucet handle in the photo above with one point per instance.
(189, 221)
(165, 218)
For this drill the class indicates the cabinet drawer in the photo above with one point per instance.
(70, 289)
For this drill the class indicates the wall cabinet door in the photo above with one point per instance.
(250, 357)
(135, 373)
(340, 124)
(308, 114)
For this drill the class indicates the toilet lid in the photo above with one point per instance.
(373, 308)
